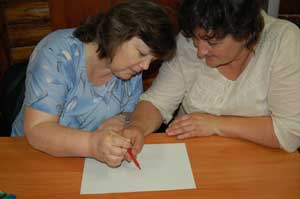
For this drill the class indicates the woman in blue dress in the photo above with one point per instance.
(84, 80)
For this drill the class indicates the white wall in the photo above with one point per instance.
(273, 7)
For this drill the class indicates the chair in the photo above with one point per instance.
(11, 96)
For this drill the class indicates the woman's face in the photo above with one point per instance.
(131, 57)
(217, 52)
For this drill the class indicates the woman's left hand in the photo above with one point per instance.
(193, 125)
(115, 123)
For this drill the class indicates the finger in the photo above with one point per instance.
(179, 119)
(114, 161)
(117, 128)
(121, 142)
(137, 148)
(127, 133)
(117, 151)
(179, 124)
(127, 157)
(186, 135)
(117, 135)
(180, 129)
(138, 143)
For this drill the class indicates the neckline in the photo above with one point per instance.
(241, 75)
(86, 69)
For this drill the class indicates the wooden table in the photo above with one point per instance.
(222, 168)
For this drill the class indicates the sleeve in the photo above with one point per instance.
(135, 87)
(284, 92)
(167, 90)
(46, 85)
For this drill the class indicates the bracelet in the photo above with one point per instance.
(127, 117)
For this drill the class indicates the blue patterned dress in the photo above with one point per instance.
(57, 83)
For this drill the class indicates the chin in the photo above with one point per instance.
(124, 76)
(211, 64)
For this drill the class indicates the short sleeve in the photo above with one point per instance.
(46, 85)
(167, 90)
(284, 92)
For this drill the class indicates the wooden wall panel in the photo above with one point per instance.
(4, 43)
(290, 10)
(291, 7)
(29, 11)
(70, 13)
(27, 34)
(28, 21)
(21, 54)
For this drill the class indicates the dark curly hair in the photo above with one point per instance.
(128, 19)
(241, 19)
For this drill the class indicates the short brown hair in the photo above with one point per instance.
(128, 19)
(241, 19)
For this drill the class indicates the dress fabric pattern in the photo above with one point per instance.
(57, 83)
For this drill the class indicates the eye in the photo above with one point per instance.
(142, 54)
(213, 42)
(154, 58)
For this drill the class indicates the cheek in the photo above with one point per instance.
(217, 52)
(118, 62)
(224, 52)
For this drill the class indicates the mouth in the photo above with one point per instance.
(135, 71)
(209, 56)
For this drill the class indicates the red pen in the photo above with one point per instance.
(133, 158)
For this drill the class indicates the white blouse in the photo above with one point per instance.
(269, 85)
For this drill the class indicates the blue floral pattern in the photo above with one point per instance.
(57, 84)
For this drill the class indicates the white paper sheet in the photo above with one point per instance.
(164, 167)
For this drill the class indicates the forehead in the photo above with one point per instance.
(138, 43)
(200, 33)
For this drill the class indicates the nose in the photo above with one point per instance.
(145, 64)
(202, 48)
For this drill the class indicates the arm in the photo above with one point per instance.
(256, 129)
(146, 117)
(284, 91)
(45, 134)
(144, 120)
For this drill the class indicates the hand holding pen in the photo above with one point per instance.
(136, 138)
(137, 141)
(108, 146)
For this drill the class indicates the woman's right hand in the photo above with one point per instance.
(107, 146)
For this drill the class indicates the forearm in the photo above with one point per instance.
(146, 117)
(61, 141)
(256, 129)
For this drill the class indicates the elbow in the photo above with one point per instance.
(32, 139)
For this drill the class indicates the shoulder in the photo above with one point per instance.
(58, 54)
(58, 40)
(59, 46)
(280, 40)
(279, 30)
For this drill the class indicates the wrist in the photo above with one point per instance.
(217, 126)
(127, 117)
(140, 128)
(91, 145)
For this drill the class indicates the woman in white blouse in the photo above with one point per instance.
(236, 74)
